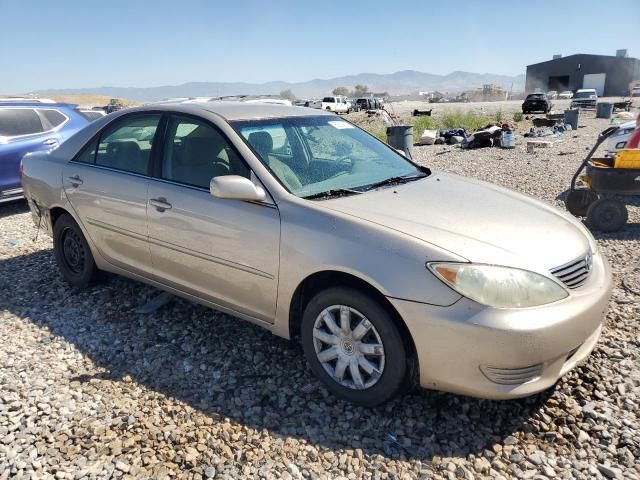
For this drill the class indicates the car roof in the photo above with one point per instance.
(230, 110)
(37, 104)
(586, 90)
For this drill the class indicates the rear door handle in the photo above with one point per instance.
(161, 204)
(50, 142)
(75, 180)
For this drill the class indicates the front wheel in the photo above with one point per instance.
(353, 346)
(72, 253)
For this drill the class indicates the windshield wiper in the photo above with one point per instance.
(395, 181)
(334, 192)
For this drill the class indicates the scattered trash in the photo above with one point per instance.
(624, 115)
(154, 304)
(310, 387)
(13, 242)
(484, 137)
(533, 144)
(544, 122)
(428, 137)
(508, 139)
(422, 113)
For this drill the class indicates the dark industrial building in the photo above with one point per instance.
(611, 76)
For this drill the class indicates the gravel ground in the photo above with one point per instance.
(91, 389)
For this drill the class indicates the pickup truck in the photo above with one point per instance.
(336, 104)
(585, 98)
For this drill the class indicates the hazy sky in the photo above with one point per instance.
(86, 43)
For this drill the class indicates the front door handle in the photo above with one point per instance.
(160, 203)
(75, 180)
(50, 142)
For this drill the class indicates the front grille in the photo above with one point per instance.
(575, 273)
(511, 376)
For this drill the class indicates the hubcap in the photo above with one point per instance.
(73, 251)
(348, 347)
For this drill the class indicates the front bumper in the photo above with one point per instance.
(583, 104)
(494, 353)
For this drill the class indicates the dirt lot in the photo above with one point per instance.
(91, 389)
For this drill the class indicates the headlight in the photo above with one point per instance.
(500, 287)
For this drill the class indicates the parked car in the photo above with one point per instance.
(585, 98)
(337, 104)
(566, 94)
(29, 127)
(369, 103)
(313, 104)
(618, 140)
(304, 224)
(91, 114)
(536, 102)
(25, 99)
(635, 91)
(552, 94)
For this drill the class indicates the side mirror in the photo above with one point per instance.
(235, 187)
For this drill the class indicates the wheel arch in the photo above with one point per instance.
(324, 279)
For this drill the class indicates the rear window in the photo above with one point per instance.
(54, 117)
(19, 121)
(536, 96)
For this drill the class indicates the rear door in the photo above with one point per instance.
(22, 131)
(224, 251)
(107, 186)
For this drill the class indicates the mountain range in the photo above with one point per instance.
(398, 83)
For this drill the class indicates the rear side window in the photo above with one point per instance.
(127, 146)
(19, 121)
(329, 100)
(54, 117)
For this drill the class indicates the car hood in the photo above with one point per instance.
(478, 221)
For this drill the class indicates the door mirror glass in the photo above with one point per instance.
(235, 187)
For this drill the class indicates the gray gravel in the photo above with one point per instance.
(91, 389)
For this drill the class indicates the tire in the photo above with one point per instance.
(579, 201)
(375, 388)
(328, 108)
(607, 215)
(73, 254)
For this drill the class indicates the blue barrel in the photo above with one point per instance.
(571, 117)
(604, 110)
(401, 138)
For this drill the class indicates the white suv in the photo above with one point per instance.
(337, 104)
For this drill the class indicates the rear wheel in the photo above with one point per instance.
(578, 201)
(607, 215)
(72, 253)
(353, 346)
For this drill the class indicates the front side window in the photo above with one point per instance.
(127, 145)
(324, 153)
(19, 121)
(195, 152)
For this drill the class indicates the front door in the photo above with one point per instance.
(224, 251)
(107, 186)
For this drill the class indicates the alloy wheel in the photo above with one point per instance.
(348, 347)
